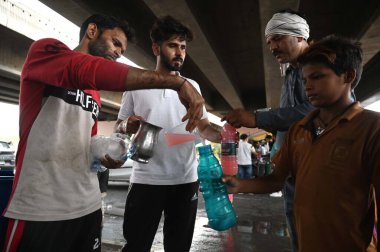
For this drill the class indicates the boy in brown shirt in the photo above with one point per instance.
(333, 154)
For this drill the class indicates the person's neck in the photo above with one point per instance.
(164, 70)
(81, 48)
(302, 48)
(327, 115)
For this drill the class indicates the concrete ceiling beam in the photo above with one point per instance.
(200, 50)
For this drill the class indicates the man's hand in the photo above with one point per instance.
(193, 102)
(233, 183)
(129, 125)
(240, 117)
(110, 163)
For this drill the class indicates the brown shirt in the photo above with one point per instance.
(334, 175)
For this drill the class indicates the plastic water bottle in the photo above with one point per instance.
(229, 146)
(220, 212)
(117, 146)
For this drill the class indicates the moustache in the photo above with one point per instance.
(276, 52)
(178, 59)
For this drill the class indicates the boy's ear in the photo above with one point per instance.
(350, 76)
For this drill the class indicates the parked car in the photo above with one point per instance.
(7, 156)
(123, 173)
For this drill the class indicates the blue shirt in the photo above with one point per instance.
(294, 105)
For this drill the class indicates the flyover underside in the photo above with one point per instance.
(228, 57)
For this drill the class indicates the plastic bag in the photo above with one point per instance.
(117, 146)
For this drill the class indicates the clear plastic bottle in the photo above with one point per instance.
(220, 212)
(228, 154)
(117, 146)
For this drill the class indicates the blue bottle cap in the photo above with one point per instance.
(204, 149)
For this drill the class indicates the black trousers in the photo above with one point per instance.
(77, 235)
(143, 210)
(103, 180)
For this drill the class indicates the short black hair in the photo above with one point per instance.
(337, 53)
(104, 22)
(167, 26)
(243, 136)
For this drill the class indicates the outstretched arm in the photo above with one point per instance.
(271, 120)
(207, 131)
(240, 118)
(72, 69)
(189, 96)
(282, 118)
(268, 184)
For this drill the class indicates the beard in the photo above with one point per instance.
(98, 47)
(166, 62)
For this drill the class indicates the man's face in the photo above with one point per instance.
(323, 86)
(173, 53)
(284, 48)
(109, 44)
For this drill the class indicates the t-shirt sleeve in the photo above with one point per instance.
(51, 62)
(281, 119)
(127, 105)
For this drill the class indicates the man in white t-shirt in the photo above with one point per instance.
(244, 157)
(169, 182)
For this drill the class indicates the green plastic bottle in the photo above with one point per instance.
(220, 212)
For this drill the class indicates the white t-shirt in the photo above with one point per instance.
(244, 153)
(264, 150)
(169, 165)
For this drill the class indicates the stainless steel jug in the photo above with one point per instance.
(144, 141)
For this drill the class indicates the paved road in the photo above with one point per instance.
(260, 226)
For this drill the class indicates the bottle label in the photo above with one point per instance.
(229, 149)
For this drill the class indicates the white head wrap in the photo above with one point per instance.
(287, 24)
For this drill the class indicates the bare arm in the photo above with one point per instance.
(253, 150)
(145, 79)
(271, 120)
(189, 96)
(240, 117)
(209, 132)
(268, 184)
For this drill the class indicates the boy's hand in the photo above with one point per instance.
(233, 183)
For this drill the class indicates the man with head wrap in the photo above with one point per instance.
(286, 35)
